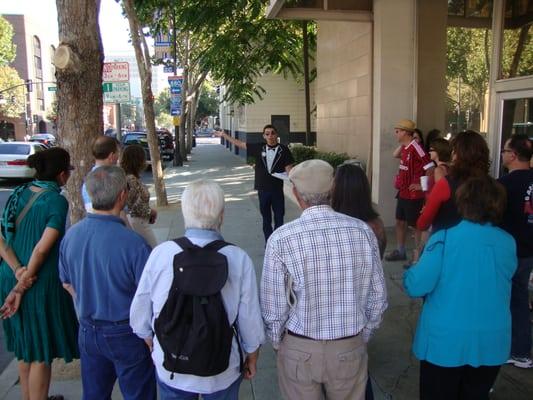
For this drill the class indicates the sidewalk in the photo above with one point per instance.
(392, 366)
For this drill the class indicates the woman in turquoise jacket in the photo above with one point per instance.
(464, 330)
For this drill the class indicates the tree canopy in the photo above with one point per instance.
(7, 48)
(237, 43)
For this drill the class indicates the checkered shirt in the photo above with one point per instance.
(337, 275)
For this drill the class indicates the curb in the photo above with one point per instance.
(9, 378)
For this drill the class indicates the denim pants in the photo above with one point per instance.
(521, 332)
(111, 350)
(271, 201)
(169, 393)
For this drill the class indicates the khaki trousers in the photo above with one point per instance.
(143, 228)
(328, 369)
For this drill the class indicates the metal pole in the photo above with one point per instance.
(306, 84)
(178, 161)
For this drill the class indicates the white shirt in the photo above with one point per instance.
(240, 297)
(337, 276)
(270, 156)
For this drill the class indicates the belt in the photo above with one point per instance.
(99, 322)
(318, 340)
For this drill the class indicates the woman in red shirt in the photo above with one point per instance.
(470, 158)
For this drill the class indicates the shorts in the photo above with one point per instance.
(409, 210)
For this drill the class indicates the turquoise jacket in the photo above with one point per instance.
(465, 277)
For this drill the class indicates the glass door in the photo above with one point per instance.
(515, 116)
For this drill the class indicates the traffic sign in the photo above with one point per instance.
(175, 82)
(52, 88)
(116, 92)
(162, 40)
(116, 72)
(175, 104)
(168, 69)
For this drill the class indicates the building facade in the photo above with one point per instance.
(33, 62)
(282, 105)
(382, 60)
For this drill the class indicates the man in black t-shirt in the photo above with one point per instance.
(270, 158)
(518, 221)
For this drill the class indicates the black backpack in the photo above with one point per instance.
(193, 328)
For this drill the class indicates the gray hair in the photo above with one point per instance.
(104, 185)
(315, 199)
(202, 205)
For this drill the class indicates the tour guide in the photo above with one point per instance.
(270, 157)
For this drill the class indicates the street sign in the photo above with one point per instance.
(116, 92)
(175, 82)
(116, 72)
(175, 104)
(168, 69)
(162, 40)
(52, 88)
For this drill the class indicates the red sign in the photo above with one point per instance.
(116, 72)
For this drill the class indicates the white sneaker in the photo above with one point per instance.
(521, 362)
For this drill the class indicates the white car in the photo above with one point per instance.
(14, 159)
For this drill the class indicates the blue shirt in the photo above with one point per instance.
(240, 297)
(103, 261)
(465, 275)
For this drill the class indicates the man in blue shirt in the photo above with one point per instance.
(518, 221)
(101, 262)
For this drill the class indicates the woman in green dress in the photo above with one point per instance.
(39, 320)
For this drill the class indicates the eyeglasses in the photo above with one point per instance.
(270, 133)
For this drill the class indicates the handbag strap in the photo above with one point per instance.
(28, 205)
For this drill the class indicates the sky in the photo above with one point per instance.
(113, 26)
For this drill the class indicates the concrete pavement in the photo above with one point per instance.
(392, 367)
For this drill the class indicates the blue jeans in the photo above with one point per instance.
(111, 350)
(169, 393)
(521, 331)
(271, 201)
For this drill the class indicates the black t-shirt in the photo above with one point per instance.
(263, 179)
(518, 217)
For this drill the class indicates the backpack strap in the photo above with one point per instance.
(184, 243)
(216, 245)
(28, 205)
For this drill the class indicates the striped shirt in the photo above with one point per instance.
(338, 283)
(414, 162)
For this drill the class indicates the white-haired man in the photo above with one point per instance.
(322, 293)
(203, 208)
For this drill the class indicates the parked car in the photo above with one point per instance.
(14, 159)
(139, 138)
(166, 145)
(47, 139)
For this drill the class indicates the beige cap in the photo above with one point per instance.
(405, 125)
(312, 177)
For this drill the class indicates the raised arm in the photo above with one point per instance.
(236, 142)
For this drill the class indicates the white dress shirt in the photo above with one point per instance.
(270, 156)
(240, 298)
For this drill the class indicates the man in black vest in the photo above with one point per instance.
(270, 157)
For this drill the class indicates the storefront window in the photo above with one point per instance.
(517, 49)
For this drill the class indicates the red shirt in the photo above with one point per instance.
(414, 162)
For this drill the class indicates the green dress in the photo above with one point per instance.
(45, 326)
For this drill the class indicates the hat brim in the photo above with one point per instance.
(404, 128)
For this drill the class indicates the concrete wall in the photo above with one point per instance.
(394, 92)
(283, 97)
(431, 93)
(344, 97)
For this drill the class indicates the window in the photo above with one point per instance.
(37, 63)
(517, 45)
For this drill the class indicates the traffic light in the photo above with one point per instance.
(29, 85)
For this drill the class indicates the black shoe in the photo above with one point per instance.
(56, 397)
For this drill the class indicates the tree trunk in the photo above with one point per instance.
(79, 91)
(184, 94)
(145, 71)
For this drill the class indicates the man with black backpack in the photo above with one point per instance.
(198, 301)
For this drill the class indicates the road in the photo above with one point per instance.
(6, 188)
